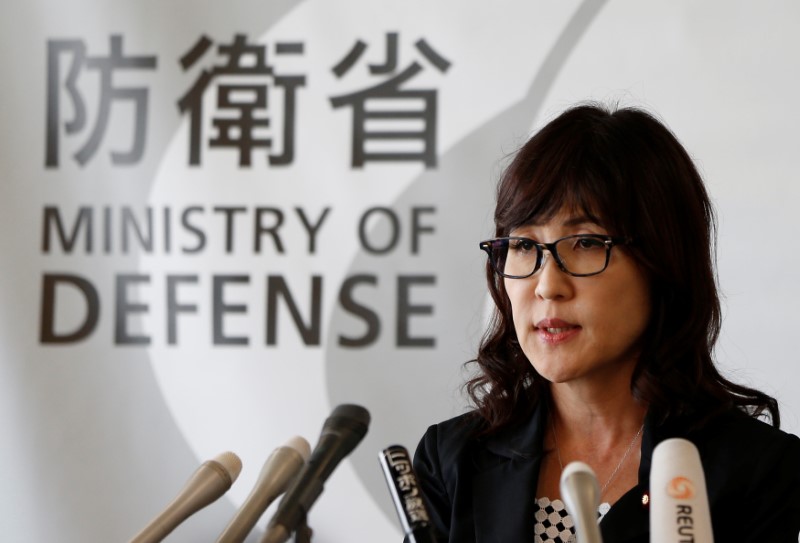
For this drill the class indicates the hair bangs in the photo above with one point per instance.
(559, 178)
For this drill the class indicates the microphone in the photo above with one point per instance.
(406, 494)
(342, 431)
(208, 483)
(679, 508)
(278, 471)
(581, 495)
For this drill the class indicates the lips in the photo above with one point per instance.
(555, 324)
(554, 330)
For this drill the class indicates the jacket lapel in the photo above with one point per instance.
(504, 483)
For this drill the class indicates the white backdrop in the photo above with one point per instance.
(197, 264)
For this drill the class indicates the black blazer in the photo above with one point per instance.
(483, 490)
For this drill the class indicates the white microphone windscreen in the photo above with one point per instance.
(679, 508)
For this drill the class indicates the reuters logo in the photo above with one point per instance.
(680, 488)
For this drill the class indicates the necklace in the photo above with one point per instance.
(616, 470)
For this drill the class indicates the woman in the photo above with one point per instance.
(601, 347)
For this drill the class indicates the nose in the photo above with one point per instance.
(551, 282)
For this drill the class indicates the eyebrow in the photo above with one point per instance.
(581, 219)
(576, 220)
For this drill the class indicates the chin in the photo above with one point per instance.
(553, 375)
(558, 379)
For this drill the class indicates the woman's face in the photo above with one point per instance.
(579, 328)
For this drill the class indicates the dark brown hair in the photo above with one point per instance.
(627, 169)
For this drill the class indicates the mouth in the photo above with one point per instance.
(555, 326)
(556, 330)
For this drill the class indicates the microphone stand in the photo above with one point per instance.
(303, 533)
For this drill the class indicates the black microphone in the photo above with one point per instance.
(343, 430)
(679, 508)
(406, 494)
(208, 483)
(276, 475)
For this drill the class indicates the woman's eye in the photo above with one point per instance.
(589, 244)
(521, 245)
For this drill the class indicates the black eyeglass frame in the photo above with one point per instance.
(608, 242)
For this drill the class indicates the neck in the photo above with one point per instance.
(602, 405)
(599, 425)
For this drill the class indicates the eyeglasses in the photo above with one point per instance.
(580, 255)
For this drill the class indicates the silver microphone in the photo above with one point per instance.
(581, 495)
(207, 484)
